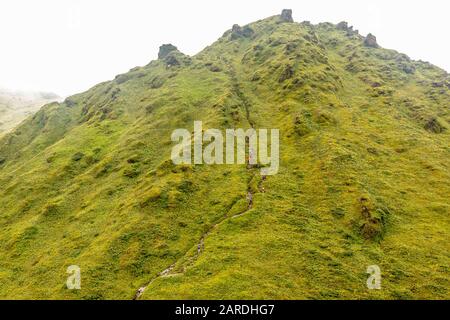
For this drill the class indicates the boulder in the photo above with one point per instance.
(286, 15)
(371, 41)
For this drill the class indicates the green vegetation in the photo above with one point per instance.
(364, 177)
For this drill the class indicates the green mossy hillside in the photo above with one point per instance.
(364, 177)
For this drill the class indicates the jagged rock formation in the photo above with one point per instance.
(238, 32)
(343, 25)
(433, 125)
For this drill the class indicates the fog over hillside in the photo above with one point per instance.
(15, 106)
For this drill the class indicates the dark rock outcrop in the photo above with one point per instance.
(405, 64)
(238, 32)
(172, 56)
(165, 49)
(441, 84)
(343, 25)
(287, 73)
(236, 29)
(171, 60)
(374, 218)
(371, 41)
(286, 15)
(433, 125)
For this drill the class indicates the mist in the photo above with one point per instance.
(66, 46)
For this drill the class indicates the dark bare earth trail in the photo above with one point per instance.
(200, 245)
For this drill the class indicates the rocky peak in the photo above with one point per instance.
(286, 15)
(371, 41)
(165, 49)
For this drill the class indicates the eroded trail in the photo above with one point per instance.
(185, 261)
(200, 246)
(237, 90)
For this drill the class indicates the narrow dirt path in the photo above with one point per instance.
(249, 197)
(237, 90)
(200, 247)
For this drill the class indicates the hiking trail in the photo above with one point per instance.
(200, 245)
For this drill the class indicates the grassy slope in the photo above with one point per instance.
(90, 182)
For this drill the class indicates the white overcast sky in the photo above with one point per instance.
(67, 46)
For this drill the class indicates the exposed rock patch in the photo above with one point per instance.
(405, 63)
(343, 25)
(374, 218)
(433, 125)
(171, 60)
(287, 73)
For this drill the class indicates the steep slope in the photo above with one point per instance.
(363, 179)
(16, 106)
